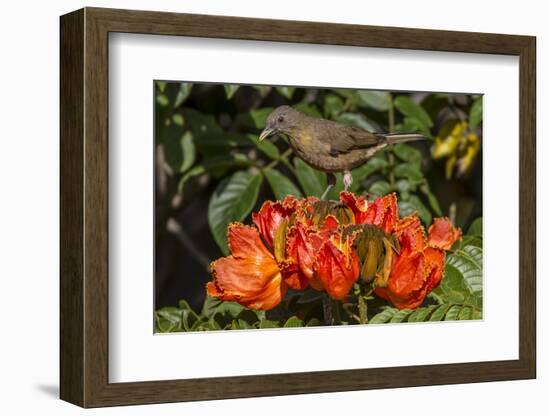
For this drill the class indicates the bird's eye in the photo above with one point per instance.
(281, 119)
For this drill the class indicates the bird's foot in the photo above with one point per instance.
(347, 179)
(329, 187)
(331, 181)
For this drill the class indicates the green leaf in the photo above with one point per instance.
(163, 100)
(280, 184)
(310, 110)
(201, 125)
(383, 317)
(432, 200)
(189, 317)
(196, 171)
(312, 181)
(465, 313)
(476, 228)
(471, 240)
(314, 322)
(477, 314)
(161, 85)
(356, 119)
(183, 93)
(230, 90)
(421, 314)
(401, 316)
(168, 319)
(476, 113)
(286, 92)
(217, 165)
(293, 322)
(240, 324)
(189, 153)
(414, 204)
(333, 105)
(374, 164)
(463, 278)
(410, 171)
(255, 118)
(232, 200)
(413, 125)
(423, 212)
(265, 146)
(214, 306)
(378, 100)
(404, 186)
(265, 323)
(380, 188)
(439, 313)
(412, 110)
(469, 262)
(263, 89)
(452, 313)
(179, 147)
(407, 153)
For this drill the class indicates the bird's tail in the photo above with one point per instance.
(394, 138)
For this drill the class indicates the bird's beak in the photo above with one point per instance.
(266, 133)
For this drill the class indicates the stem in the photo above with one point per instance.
(363, 319)
(336, 310)
(391, 127)
(281, 158)
(347, 307)
(452, 213)
(391, 115)
(327, 310)
(391, 161)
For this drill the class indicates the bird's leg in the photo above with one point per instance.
(331, 181)
(347, 179)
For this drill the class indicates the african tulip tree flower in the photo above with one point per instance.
(329, 245)
(250, 276)
(418, 268)
(322, 256)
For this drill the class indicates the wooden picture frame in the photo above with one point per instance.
(84, 207)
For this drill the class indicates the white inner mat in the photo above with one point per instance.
(136, 354)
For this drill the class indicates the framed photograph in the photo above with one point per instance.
(256, 207)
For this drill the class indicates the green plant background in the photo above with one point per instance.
(211, 170)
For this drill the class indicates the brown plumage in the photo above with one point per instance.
(329, 146)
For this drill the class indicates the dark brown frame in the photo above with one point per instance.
(84, 213)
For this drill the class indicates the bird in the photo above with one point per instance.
(327, 145)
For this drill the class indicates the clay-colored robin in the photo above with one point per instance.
(329, 146)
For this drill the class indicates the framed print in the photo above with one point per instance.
(260, 207)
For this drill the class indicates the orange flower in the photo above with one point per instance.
(322, 257)
(250, 275)
(382, 212)
(337, 266)
(442, 234)
(327, 245)
(271, 216)
(418, 268)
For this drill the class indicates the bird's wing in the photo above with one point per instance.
(347, 138)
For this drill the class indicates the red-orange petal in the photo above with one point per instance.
(407, 282)
(337, 269)
(382, 212)
(410, 233)
(434, 260)
(442, 234)
(250, 276)
(270, 217)
(357, 204)
(300, 253)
